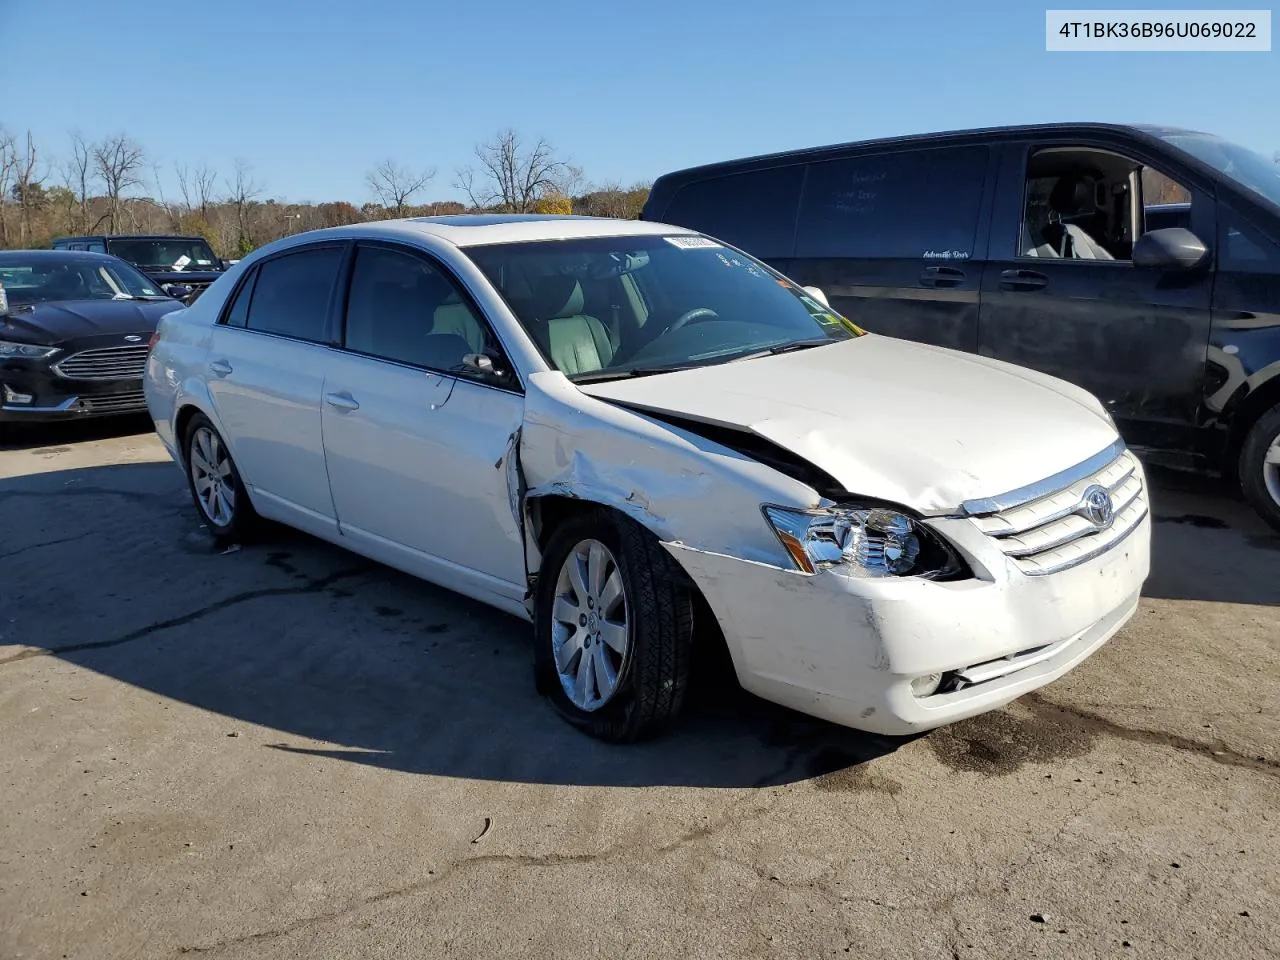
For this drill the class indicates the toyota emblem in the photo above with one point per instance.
(132, 339)
(1096, 507)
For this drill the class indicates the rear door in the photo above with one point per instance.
(266, 370)
(1135, 337)
(895, 240)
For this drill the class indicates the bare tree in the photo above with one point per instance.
(119, 162)
(514, 178)
(197, 187)
(77, 173)
(8, 164)
(243, 191)
(28, 186)
(394, 185)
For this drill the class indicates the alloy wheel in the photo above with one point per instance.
(1271, 469)
(212, 477)
(590, 634)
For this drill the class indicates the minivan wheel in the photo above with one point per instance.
(613, 628)
(215, 484)
(1260, 466)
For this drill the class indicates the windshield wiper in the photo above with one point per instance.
(801, 345)
(123, 296)
(597, 376)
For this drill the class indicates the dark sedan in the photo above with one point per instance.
(74, 333)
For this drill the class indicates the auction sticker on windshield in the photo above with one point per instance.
(692, 243)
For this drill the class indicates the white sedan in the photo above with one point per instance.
(640, 439)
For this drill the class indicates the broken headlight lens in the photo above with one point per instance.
(864, 542)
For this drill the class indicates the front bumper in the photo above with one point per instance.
(33, 392)
(847, 650)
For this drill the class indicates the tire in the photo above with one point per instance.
(652, 671)
(238, 521)
(1260, 467)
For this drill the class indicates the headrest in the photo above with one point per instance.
(557, 297)
(1072, 194)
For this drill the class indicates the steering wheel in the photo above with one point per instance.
(691, 315)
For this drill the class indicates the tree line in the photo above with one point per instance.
(114, 185)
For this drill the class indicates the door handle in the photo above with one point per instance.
(219, 368)
(341, 401)
(941, 277)
(1022, 280)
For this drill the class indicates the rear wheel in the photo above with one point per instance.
(215, 484)
(1260, 466)
(613, 628)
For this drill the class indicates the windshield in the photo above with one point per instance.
(43, 279)
(166, 254)
(641, 304)
(1247, 168)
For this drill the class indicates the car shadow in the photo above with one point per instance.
(306, 648)
(55, 433)
(1208, 544)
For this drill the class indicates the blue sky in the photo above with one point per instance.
(313, 93)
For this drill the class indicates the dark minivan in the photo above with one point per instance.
(1141, 263)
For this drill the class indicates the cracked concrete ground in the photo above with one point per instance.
(286, 752)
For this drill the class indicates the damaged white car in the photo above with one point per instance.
(642, 440)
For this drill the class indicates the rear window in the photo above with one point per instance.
(291, 294)
(754, 211)
(906, 205)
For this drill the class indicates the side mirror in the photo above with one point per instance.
(179, 291)
(485, 365)
(1171, 248)
(817, 294)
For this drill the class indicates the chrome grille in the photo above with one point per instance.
(105, 363)
(1054, 531)
(114, 402)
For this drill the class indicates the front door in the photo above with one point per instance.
(266, 365)
(1061, 295)
(417, 450)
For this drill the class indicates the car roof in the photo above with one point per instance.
(135, 236)
(29, 256)
(939, 138)
(469, 230)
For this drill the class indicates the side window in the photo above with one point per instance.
(914, 204)
(402, 308)
(1243, 247)
(96, 246)
(238, 314)
(754, 211)
(76, 246)
(1090, 204)
(291, 294)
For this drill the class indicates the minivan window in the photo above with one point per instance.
(1243, 246)
(755, 211)
(905, 205)
(291, 296)
(402, 308)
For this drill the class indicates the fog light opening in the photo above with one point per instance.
(12, 396)
(926, 686)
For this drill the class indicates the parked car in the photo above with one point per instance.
(183, 266)
(1141, 263)
(606, 426)
(74, 330)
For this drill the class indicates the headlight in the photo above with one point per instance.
(867, 541)
(27, 351)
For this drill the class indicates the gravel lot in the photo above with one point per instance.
(285, 751)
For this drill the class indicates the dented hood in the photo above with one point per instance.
(917, 425)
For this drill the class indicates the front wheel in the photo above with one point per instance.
(613, 628)
(1260, 466)
(215, 484)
